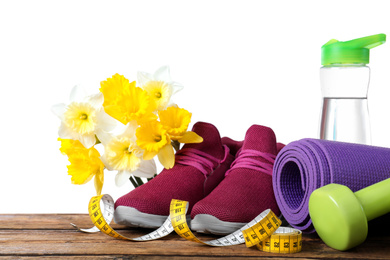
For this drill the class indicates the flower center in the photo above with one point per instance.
(127, 151)
(157, 94)
(122, 155)
(80, 118)
(83, 116)
(157, 138)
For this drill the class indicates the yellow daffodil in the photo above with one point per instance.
(121, 153)
(176, 120)
(154, 139)
(83, 118)
(85, 163)
(124, 101)
(159, 87)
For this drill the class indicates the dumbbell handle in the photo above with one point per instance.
(375, 199)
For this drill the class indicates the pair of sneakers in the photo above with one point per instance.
(227, 183)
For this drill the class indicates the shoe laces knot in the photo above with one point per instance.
(202, 161)
(249, 159)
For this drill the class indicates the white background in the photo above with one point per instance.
(241, 63)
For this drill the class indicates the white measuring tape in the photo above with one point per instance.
(102, 220)
(264, 231)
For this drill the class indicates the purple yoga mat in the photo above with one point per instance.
(305, 165)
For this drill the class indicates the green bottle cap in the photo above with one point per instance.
(355, 51)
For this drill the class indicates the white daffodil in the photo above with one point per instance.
(83, 117)
(121, 153)
(159, 86)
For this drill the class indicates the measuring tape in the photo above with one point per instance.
(102, 220)
(264, 231)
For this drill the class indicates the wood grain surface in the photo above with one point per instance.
(24, 236)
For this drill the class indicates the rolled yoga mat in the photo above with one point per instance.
(305, 165)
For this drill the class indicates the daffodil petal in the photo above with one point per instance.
(106, 122)
(163, 74)
(79, 178)
(171, 104)
(149, 155)
(59, 110)
(96, 100)
(190, 137)
(121, 178)
(140, 173)
(88, 140)
(119, 129)
(166, 156)
(105, 162)
(130, 128)
(77, 94)
(146, 169)
(143, 77)
(176, 87)
(103, 136)
(65, 133)
(99, 180)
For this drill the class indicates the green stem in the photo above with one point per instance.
(176, 145)
(151, 177)
(97, 140)
(133, 182)
(139, 180)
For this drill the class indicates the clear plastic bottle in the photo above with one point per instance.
(344, 85)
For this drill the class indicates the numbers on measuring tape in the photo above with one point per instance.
(254, 233)
(264, 231)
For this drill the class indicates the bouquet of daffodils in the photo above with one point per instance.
(133, 123)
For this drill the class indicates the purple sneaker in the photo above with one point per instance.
(198, 169)
(245, 192)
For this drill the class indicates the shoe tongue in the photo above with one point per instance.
(211, 144)
(260, 138)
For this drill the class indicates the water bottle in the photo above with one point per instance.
(344, 80)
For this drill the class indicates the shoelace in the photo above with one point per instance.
(202, 161)
(245, 160)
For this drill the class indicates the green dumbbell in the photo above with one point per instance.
(340, 216)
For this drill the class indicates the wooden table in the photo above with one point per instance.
(35, 236)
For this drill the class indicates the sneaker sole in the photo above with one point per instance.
(132, 217)
(205, 223)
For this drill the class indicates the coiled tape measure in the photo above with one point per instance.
(264, 231)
